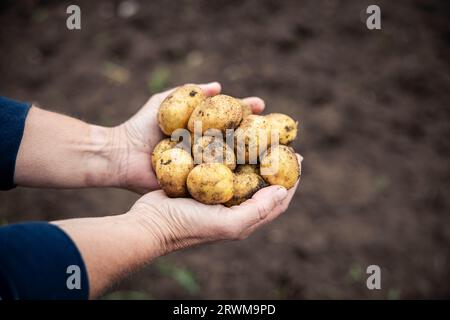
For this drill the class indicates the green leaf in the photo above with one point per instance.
(355, 272)
(184, 277)
(159, 79)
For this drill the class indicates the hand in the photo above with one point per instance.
(134, 141)
(181, 222)
(114, 246)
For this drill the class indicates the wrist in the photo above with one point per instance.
(170, 230)
(106, 157)
(147, 222)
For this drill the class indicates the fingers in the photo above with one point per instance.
(258, 208)
(257, 104)
(282, 207)
(275, 213)
(211, 89)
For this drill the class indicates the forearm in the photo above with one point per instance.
(113, 246)
(63, 152)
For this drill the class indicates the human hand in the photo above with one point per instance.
(182, 222)
(114, 246)
(132, 142)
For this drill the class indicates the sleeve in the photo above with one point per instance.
(12, 124)
(38, 261)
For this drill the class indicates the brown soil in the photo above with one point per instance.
(374, 120)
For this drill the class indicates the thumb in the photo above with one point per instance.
(260, 205)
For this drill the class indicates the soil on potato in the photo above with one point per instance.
(374, 114)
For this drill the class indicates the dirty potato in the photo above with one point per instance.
(245, 185)
(211, 183)
(246, 109)
(162, 146)
(176, 109)
(251, 138)
(284, 125)
(166, 144)
(210, 149)
(172, 169)
(279, 166)
(219, 112)
(247, 168)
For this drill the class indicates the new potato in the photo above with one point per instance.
(245, 185)
(163, 145)
(211, 183)
(210, 149)
(247, 168)
(219, 112)
(252, 138)
(217, 179)
(284, 125)
(176, 109)
(280, 166)
(246, 109)
(172, 169)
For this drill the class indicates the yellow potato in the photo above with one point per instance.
(246, 109)
(247, 168)
(210, 149)
(245, 185)
(166, 144)
(172, 169)
(211, 183)
(253, 131)
(176, 109)
(162, 146)
(219, 112)
(280, 166)
(285, 125)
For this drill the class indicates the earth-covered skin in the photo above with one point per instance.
(211, 183)
(172, 169)
(162, 146)
(246, 109)
(284, 125)
(210, 149)
(248, 135)
(247, 168)
(220, 112)
(284, 165)
(245, 185)
(176, 109)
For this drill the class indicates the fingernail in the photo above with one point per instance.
(280, 194)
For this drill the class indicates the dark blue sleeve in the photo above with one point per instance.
(12, 123)
(38, 260)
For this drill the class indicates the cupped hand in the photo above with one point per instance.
(181, 222)
(135, 140)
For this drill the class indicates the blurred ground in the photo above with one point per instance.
(374, 116)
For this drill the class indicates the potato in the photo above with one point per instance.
(176, 109)
(285, 125)
(245, 185)
(210, 149)
(285, 169)
(219, 112)
(247, 168)
(246, 109)
(247, 137)
(162, 146)
(172, 169)
(211, 183)
(166, 144)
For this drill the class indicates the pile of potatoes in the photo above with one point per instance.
(216, 178)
